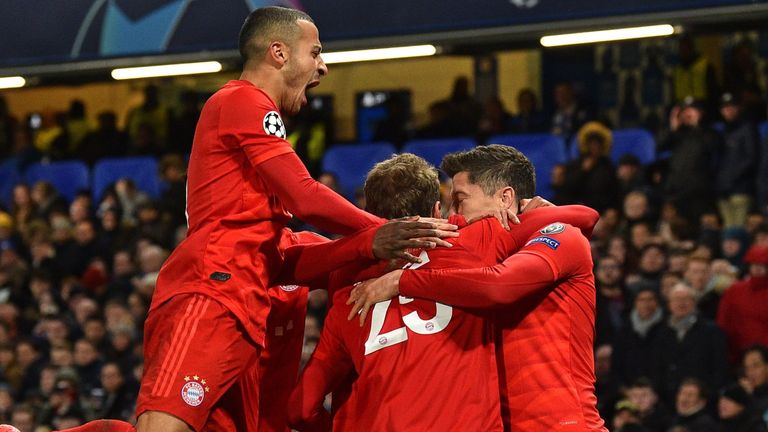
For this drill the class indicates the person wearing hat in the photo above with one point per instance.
(742, 312)
(737, 160)
(736, 411)
(591, 179)
(690, 174)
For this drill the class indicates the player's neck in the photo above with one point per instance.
(265, 79)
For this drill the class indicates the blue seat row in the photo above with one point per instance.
(69, 177)
(350, 163)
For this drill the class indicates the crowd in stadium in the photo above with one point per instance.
(680, 252)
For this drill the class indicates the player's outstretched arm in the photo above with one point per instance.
(307, 262)
(309, 200)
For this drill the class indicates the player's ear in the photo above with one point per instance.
(436, 210)
(278, 52)
(507, 197)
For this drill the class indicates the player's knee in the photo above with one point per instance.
(156, 421)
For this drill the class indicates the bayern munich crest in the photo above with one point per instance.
(273, 125)
(193, 391)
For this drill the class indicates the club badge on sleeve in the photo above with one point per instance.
(273, 125)
(555, 228)
(194, 389)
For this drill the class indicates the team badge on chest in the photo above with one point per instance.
(194, 389)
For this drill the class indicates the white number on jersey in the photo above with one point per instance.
(436, 324)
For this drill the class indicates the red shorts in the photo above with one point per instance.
(200, 366)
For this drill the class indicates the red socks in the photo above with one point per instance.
(103, 426)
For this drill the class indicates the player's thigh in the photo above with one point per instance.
(195, 350)
(156, 421)
(239, 408)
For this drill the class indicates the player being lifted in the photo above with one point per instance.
(545, 331)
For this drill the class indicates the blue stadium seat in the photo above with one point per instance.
(142, 170)
(433, 150)
(544, 150)
(638, 142)
(351, 163)
(68, 177)
(9, 178)
(764, 130)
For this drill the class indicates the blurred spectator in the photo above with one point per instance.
(737, 411)
(627, 418)
(23, 417)
(651, 265)
(742, 311)
(606, 385)
(742, 79)
(147, 124)
(738, 162)
(47, 200)
(694, 76)
(465, 110)
(173, 200)
(591, 179)
(690, 346)
(396, 126)
(637, 345)
(129, 197)
(611, 303)
(8, 125)
(529, 117)
(440, 123)
(50, 139)
(495, 120)
(698, 275)
(755, 381)
(690, 175)
(87, 365)
(6, 403)
(734, 245)
(77, 128)
(569, 114)
(630, 175)
(762, 179)
(183, 123)
(64, 403)
(106, 141)
(691, 407)
(652, 414)
(118, 395)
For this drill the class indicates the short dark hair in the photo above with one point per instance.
(703, 390)
(761, 350)
(265, 24)
(493, 167)
(403, 185)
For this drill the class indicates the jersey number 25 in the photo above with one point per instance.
(377, 341)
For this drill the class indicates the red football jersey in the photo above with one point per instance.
(234, 219)
(421, 365)
(545, 357)
(280, 358)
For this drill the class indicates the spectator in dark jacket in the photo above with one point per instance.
(610, 300)
(652, 414)
(635, 348)
(591, 179)
(755, 364)
(737, 411)
(691, 407)
(738, 162)
(691, 164)
(690, 345)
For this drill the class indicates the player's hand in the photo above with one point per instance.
(368, 293)
(504, 216)
(394, 238)
(534, 203)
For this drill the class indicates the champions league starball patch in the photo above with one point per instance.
(193, 391)
(273, 125)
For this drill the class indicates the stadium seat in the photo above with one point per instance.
(68, 177)
(544, 150)
(142, 170)
(638, 142)
(763, 130)
(351, 163)
(9, 178)
(433, 150)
